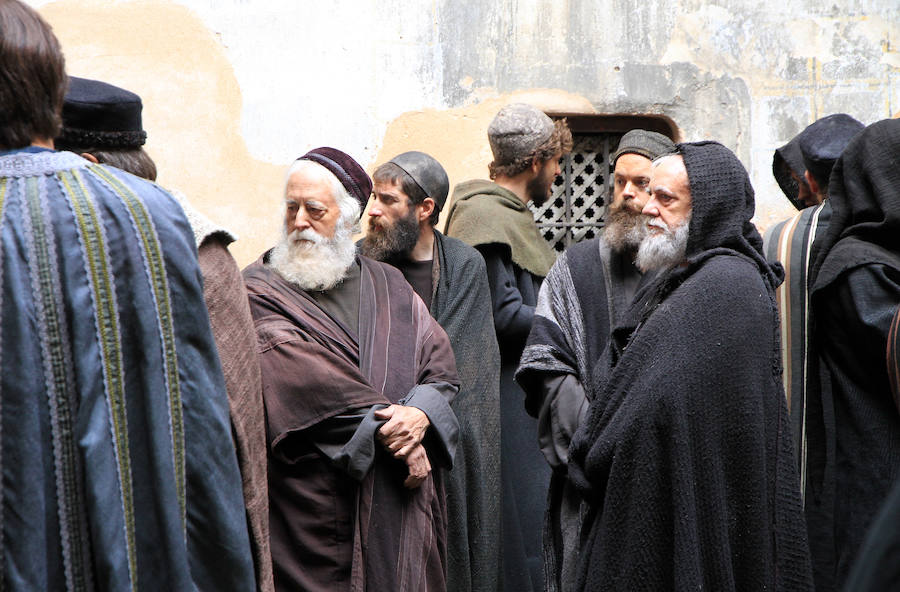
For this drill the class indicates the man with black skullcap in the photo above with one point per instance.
(102, 123)
(119, 471)
(449, 276)
(792, 243)
(684, 457)
(494, 218)
(853, 426)
(587, 290)
(357, 383)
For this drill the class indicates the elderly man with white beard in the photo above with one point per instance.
(358, 380)
(586, 292)
(685, 456)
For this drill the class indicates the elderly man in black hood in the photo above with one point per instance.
(853, 431)
(685, 456)
(588, 288)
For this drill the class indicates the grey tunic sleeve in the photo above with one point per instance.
(563, 408)
(348, 440)
(433, 399)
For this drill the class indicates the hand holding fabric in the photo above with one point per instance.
(419, 467)
(404, 430)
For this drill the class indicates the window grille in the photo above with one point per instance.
(576, 209)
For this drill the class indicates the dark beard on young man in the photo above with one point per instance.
(537, 191)
(394, 243)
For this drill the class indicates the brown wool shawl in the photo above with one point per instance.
(314, 369)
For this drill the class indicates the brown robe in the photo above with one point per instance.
(343, 520)
(232, 327)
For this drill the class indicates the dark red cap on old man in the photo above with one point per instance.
(351, 175)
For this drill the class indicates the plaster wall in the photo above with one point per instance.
(233, 90)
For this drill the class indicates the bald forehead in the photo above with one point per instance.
(669, 175)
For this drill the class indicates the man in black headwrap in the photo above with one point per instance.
(685, 456)
(587, 290)
(853, 432)
(791, 242)
(450, 277)
(102, 123)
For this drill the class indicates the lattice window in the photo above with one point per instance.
(577, 206)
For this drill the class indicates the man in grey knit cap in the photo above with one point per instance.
(494, 218)
(580, 301)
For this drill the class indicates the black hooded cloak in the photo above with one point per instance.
(789, 158)
(853, 427)
(685, 457)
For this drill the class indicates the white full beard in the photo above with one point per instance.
(316, 263)
(664, 249)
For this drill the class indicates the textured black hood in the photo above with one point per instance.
(789, 158)
(722, 204)
(864, 192)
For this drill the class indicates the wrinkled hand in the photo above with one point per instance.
(404, 430)
(419, 467)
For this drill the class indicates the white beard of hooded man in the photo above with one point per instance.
(307, 257)
(669, 211)
(663, 248)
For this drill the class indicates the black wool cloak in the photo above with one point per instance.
(853, 426)
(587, 290)
(461, 304)
(685, 457)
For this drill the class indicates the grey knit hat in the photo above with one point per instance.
(648, 144)
(518, 130)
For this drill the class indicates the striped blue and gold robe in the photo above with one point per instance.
(119, 472)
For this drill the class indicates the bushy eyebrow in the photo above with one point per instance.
(662, 189)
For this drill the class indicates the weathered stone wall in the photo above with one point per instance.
(235, 89)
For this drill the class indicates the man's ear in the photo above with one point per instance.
(813, 186)
(90, 157)
(536, 165)
(427, 207)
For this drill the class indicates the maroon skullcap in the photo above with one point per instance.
(349, 173)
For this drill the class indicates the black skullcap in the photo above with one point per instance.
(99, 115)
(648, 144)
(823, 141)
(427, 173)
(351, 175)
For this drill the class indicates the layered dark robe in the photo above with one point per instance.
(853, 432)
(232, 327)
(461, 303)
(586, 292)
(791, 242)
(341, 518)
(500, 226)
(877, 567)
(119, 471)
(685, 456)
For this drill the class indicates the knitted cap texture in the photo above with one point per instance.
(517, 131)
